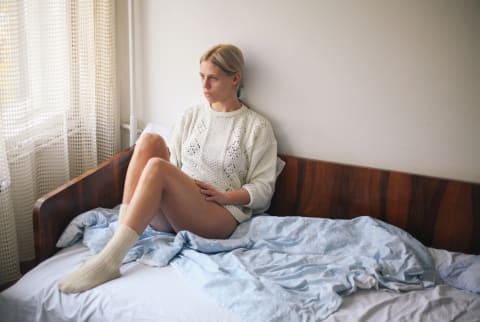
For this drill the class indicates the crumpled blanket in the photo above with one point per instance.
(464, 274)
(278, 268)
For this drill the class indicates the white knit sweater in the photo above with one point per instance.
(230, 151)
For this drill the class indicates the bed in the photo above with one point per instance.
(439, 219)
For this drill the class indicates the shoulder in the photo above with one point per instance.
(192, 111)
(259, 127)
(191, 114)
(258, 121)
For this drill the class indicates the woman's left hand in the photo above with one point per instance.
(212, 194)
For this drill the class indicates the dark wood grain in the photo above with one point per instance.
(99, 187)
(440, 213)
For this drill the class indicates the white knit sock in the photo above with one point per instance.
(104, 266)
(122, 211)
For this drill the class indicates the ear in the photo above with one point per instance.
(236, 78)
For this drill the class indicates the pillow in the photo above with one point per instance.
(464, 274)
(157, 129)
(94, 217)
(280, 166)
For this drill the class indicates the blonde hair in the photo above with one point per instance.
(228, 58)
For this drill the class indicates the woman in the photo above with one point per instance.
(218, 170)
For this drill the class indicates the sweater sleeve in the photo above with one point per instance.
(261, 175)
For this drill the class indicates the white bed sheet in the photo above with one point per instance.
(147, 293)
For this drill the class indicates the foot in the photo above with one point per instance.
(103, 267)
(94, 272)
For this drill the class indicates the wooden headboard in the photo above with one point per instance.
(439, 212)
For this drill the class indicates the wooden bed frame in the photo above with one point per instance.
(441, 213)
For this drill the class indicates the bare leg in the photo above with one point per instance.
(148, 146)
(164, 189)
(165, 197)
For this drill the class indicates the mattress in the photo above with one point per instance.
(146, 293)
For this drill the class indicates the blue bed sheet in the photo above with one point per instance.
(278, 268)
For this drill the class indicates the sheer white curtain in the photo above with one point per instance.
(58, 107)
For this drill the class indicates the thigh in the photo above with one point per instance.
(159, 222)
(185, 208)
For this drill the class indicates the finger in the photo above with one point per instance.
(211, 198)
(207, 192)
(201, 184)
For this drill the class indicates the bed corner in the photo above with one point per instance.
(98, 187)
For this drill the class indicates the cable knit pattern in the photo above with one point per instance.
(230, 151)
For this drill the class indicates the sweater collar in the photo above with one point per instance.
(212, 112)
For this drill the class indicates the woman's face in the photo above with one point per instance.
(216, 84)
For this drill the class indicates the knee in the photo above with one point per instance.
(157, 167)
(151, 145)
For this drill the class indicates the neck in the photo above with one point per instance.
(227, 106)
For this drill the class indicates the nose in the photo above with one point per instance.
(205, 83)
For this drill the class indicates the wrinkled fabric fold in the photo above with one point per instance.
(286, 268)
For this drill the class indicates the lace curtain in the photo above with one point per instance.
(58, 107)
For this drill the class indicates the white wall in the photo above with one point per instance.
(384, 84)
